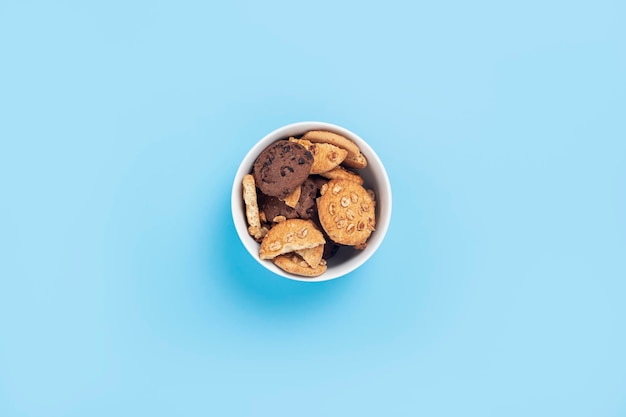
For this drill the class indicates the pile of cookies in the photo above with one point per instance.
(305, 199)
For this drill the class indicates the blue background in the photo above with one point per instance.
(498, 291)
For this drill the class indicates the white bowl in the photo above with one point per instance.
(374, 176)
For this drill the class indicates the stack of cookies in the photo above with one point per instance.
(305, 199)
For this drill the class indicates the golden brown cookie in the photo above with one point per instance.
(325, 155)
(288, 236)
(356, 162)
(346, 212)
(312, 256)
(294, 264)
(355, 159)
(252, 209)
(342, 173)
(324, 136)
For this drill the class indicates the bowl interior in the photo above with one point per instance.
(374, 176)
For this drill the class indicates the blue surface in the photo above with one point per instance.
(499, 290)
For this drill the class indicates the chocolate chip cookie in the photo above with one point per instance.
(281, 168)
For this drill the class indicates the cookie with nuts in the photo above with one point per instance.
(312, 256)
(357, 161)
(344, 174)
(347, 213)
(289, 236)
(354, 159)
(325, 155)
(294, 264)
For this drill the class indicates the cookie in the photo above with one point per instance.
(294, 264)
(252, 209)
(312, 256)
(330, 247)
(289, 236)
(324, 136)
(356, 162)
(292, 199)
(306, 203)
(272, 207)
(281, 168)
(318, 180)
(325, 155)
(342, 173)
(346, 212)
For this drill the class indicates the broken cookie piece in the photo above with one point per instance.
(252, 209)
(325, 155)
(294, 264)
(289, 236)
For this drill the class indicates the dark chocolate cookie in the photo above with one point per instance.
(273, 207)
(306, 204)
(281, 167)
